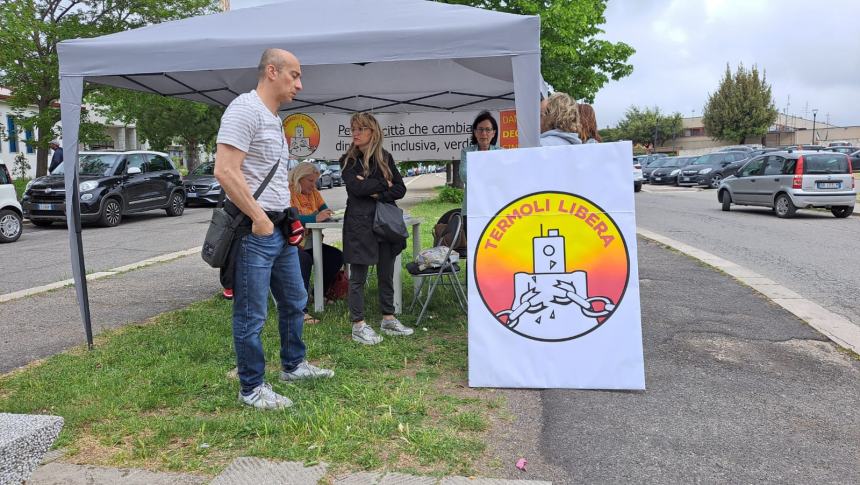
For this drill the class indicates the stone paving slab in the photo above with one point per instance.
(24, 439)
(256, 471)
(56, 473)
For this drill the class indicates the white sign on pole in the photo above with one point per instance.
(408, 136)
(553, 279)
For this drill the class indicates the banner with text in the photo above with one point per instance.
(408, 136)
(553, 282)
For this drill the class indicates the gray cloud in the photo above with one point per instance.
(806, 49)
(809, 50)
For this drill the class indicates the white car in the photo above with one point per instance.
(638, 178)
(10, 210)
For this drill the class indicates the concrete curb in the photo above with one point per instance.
(256, 471)
(835, 327)
(15, 295)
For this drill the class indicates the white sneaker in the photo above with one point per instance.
(365, 335)
(394, 327)
(306, 370)
(263, 397)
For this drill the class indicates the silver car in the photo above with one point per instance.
(791, 180)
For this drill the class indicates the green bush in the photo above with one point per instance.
(451, 195)
(20, 185)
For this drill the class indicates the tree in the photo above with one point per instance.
(573, 60)
(647, 126)
(162, 121)
(741, 107)
(29, 33)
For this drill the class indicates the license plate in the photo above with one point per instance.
(829, 185)
(47, 207)
(657, 179)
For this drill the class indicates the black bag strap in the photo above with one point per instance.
(240, 217)
(266, 180)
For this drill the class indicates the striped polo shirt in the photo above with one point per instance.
(248, 125)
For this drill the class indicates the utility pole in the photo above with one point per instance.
(814, 113)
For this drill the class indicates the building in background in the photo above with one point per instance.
(117, 136)
(788, 130)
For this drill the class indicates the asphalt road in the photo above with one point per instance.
(38, 326)
(41, 255)
(813, 254)
(738, 391)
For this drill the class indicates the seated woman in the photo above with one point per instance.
(305, 197)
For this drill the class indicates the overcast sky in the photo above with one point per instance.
(810, 51)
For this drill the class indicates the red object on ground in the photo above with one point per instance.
(521, 464)
(228, 293)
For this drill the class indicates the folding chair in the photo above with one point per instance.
(437, 276)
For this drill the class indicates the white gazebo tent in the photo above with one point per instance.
(383, 56)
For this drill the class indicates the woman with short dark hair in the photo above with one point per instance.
(485, 134)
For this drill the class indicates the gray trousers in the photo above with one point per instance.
(384, 277)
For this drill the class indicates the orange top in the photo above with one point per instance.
(307, 203)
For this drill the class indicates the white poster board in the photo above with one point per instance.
(553, 279)
(407, 136)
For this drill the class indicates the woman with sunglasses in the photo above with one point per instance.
(370, 176)
(485, 134)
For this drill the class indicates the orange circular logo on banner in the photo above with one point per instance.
(303, 134)
(552, 266)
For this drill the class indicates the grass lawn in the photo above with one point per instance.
(157, 395)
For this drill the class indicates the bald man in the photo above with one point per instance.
(251, 144)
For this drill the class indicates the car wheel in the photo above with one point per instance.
(637, 186)
(177, 205)
(111, 213)
(784, 207)
(727, 200)
(41, 222)
(842, 211)
(10, 226)
(715, 181)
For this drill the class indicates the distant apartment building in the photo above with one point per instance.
(14, 139)
(788, 130)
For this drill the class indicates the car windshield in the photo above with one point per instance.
(676, 162)
(93, 164)
(821, 163)
(705, 159)
(205, 169)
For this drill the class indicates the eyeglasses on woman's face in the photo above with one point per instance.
(485, 130)
(362, 129)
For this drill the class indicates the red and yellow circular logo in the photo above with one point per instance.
(303, 134)
(552, 266)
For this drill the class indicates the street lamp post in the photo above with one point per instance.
(814, 113)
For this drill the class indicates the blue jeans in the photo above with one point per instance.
(265, 263)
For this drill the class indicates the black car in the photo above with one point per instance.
(653, 165)
(667, 173)
(201, 185)
(112, 184)
(704, 169)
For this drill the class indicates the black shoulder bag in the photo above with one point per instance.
(222, 228)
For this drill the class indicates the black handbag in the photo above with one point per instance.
(388, 223)
(222, 228)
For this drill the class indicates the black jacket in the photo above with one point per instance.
(360, 244)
